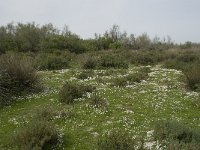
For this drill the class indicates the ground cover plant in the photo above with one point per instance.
(130, 79)
(135, 108)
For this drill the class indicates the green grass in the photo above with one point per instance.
(134, 108)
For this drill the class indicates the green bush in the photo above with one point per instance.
(176, 145)
(175, 134)
(17, 77)
(142, 74)
(174, 64)
(86, 74)
(188, 57)
(113, 61)
(97, 101)
(37, 135)
(46, 113)
(50, 113)
(71, 91)
(117, 140)
(51, 61)
(120, 82)
(193, 78)
(91, 63)
(146, 57)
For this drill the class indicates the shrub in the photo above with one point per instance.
(172, 133)
(113, 61)
(91, 63)
(97, 101)
(136, 77)
(145, 58)
(37, 135)
(120, 82)
(71, 91)
(51, 61)
(188, 57)
(17, 76)
(50, 113)
(45, 113)
(193, 78)
(174, 64)
(176, 145)
(85, 74)
(117, 140)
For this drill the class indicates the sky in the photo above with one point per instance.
(180, 19)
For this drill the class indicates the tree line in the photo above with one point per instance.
(32, 37)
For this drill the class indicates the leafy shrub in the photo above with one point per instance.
(91, 63)
(117, 140)
(175, 134)
(188, 57)
(120, 82)
(113, 61)
(17, 76)
(71, 91)
(145, 58)
(193, 78)
(85, 74)
(50, 61)
(97, 101)
(176, 145)
(174, 64)
(37, 135)
(136, 77)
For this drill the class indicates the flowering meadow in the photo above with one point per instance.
(134, 107)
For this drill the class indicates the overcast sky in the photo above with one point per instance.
(178, 18)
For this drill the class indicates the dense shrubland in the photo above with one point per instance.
(31, 37)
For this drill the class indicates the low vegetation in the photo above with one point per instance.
(37, 135)
(98, 101)
(86, 74)
(132, 78)
(117, 139)
(193, 78)
(175, 135)
(59, 91)
(70, 92)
